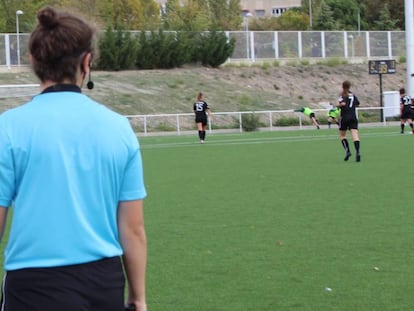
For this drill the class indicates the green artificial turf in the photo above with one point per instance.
(272, 221)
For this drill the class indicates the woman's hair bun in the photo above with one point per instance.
(48, 18)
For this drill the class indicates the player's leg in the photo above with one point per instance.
(200, 130)
(402, 125)
(203, 132)
(345, 144)
(343, 127)
(410, 123)
(314, 121)
(357, 143)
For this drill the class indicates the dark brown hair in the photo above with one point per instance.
(199, 96)
(58, 44)
(402, 91)
(346, 85)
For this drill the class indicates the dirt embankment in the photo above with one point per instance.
(230, 88)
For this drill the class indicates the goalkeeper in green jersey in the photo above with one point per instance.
(333, 116)
(309, 112)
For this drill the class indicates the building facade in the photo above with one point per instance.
(268, 8)
(261, 8)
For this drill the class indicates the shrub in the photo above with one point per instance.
(286, 121)
(117, 50)
(163, 50)
(164, 127)
(213, 48)
(333, 62)
(159, 49)
(369, 116)
(250, 122)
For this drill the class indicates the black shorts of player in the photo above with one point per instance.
(201, 119)
(406, 114)
(312, 115)
(93, 286)
(348, 124)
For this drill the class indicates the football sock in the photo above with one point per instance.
(200, 135)
(357, 144)
(345, 144)
(203, 135)
(411, 125)
(329, 124)
(402, 128)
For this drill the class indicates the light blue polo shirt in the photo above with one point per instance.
(65, 163)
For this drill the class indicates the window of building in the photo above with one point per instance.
(278, 11)
(260, 13)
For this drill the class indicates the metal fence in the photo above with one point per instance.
(269, 45)
(233, 122)
(259, 45)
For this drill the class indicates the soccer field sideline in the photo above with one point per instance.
(245, 138)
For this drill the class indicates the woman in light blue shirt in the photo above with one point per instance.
(71, 170)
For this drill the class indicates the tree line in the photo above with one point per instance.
(218, 15)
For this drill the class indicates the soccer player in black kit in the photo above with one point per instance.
(406, 110)
(348, 102)
(201, 109)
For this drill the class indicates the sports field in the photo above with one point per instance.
(278, 221)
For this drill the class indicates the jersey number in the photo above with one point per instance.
(351, 101)
(199, 106)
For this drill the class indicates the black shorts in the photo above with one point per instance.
(348, 124)
(98, 285)
(312, 115)
(406, 114)
(201, 119)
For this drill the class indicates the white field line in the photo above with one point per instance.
(263, 140)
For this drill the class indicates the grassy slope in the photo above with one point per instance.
(230, 88)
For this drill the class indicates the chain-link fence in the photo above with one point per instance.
(270, 45)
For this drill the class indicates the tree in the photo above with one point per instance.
(292, 20)
(396, 11)
(118, 49)
(224, 15)
(185, 15)
(267, 23)
(201, 15)
(129, 14)
(324, 19)
(345, 12)
(385, 22)
(315, 4)
(26, 21)
(214, 48)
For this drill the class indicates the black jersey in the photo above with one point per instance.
(200, 108)
(406, 102)
(406, 107)
(349, 110)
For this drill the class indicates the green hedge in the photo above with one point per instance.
(121, 50)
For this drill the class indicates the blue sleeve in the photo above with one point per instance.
(133, 187)
(7, 176)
